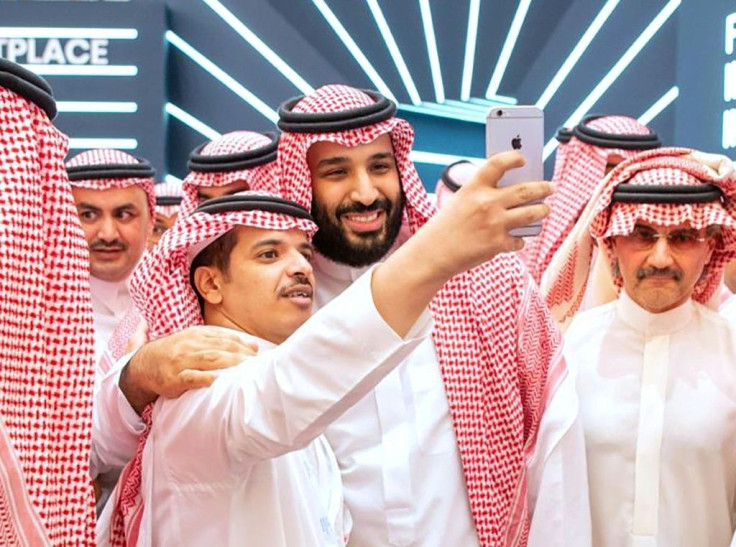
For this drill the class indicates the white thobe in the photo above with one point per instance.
(658, 403)
(110, 302)
(401, 468)
(237, 463)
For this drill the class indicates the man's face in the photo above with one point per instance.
(660, 274)
(357, 200)
(208, 192)
(269, 286)
(160, 225)
(116, 225)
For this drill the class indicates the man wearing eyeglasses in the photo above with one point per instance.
(655, 369)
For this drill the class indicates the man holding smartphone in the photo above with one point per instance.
(474, 439)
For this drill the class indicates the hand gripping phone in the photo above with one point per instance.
(519, 128)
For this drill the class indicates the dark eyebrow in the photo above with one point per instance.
(307, 245)
(125, 207)
(382, 156)
(336, 160)
(88, 206)
(273, 242)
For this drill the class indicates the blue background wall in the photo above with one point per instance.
(219, 65)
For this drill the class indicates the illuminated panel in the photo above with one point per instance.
(393, 48)
(434, 58)
(470, 42)
(433, 158)
(616, 70)
(83, 70)
(53, 32)
(656, 109)
(353, 48)
(576, 53)
(119, 144)
(508, 47)
(260, 46)
(97, 106)
(172, 179)
(223, 77)
(190, 121)
(441, 111)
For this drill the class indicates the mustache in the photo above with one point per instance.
(100, 245)
(643, 273)
(381, 204)
(300, 280)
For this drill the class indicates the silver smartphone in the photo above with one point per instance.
(519, 128)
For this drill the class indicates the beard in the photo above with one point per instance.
(333, 241)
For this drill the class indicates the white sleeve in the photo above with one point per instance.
(557, 475)
(116, 427)
(283, 398)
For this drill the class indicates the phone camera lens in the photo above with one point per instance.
(500, 113)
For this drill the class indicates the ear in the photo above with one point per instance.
(208, 281)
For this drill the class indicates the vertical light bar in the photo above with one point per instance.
(576, 53)
(471, 39)
(508, 47)
(190, 121)
(393, 48)
(223, 77)
(729, 129)
(353, 48)
(434, 58)
(259, 45)
(659, 105)
(617, 70)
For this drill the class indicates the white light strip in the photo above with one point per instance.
(103, 107)
(616, 70)
(576, 53)
(260, 46)
(189, 120)
(495, 100)
(83, 70)
(353, 48)
(223, 77)
(118, 144)
(395, 52)
(656, 109)
(470, 42)
(171, 179)
(433, 158)
(508, 47)
(434, 58)
(62, 32)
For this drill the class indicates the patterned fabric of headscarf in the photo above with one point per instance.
(259, 178)
(499, 351)
(46, 335)
(169, 189)
(102, 157)
(563, 285)
(579, 168)
(161, 289)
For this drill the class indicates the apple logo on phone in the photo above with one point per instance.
(516, 142)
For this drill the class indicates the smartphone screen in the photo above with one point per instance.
(519, 128)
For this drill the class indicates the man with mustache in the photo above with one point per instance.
(115, 200)
(243, 262)
(655, 368)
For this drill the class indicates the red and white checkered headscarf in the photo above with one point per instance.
(499, 351)
(579, 168)
(169, 189)
(565, 281)
(161, 289)
(453, 177)
(102, 157)
(259, 178)
(46, 336)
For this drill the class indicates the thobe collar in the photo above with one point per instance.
(260, 342)
(111, 297)
(654, 324)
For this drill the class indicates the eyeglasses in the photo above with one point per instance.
(679, 240)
